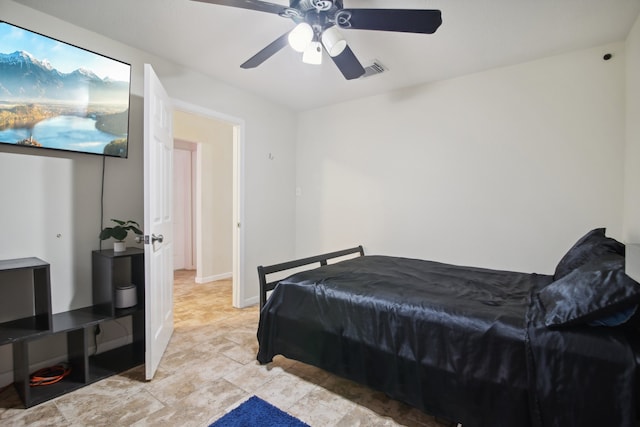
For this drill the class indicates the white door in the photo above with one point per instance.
(158, 227)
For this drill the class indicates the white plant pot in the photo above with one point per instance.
(119, 246)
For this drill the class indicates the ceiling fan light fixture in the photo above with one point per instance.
(300, 37)
(333, 41)
(313, 54)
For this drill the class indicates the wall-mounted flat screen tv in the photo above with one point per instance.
(58, 96)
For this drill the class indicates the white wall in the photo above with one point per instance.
(51, 208)
(214, 246)
(268, 170)
(632, 154)
(67, 185)
(503, 169)
(269, 186)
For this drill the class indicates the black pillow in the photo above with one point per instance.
(594, 290)
(590, 246)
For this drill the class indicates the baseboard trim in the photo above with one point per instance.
(213, 278)
(250, 301)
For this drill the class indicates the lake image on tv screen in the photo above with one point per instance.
(55, 95)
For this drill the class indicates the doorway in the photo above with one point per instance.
(184, 197)
(211, 144)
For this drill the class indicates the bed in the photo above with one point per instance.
(481, 347)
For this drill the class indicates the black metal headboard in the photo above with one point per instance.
(322, 259)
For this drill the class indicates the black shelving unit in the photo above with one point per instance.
(22, 370)
(112, 269)
(38, 319)
(109, 270)
(23, 328)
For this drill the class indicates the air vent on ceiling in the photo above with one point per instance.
(373, 69)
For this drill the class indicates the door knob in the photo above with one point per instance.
(158, 238)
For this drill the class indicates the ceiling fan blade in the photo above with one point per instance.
(348, 64)
(266, 53)
(424, 21)
(261, 6)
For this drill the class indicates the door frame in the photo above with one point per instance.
(238, 125)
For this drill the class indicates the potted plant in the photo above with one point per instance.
(119, 233)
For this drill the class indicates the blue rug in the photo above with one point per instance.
(255, 412)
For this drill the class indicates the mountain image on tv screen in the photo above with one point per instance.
(58, 96)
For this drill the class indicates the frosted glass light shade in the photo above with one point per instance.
(313, 54)
(333, 41)
(300, 37)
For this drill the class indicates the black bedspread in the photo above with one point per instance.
(581, 376)
(456, 342)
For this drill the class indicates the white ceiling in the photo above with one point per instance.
(475, 35)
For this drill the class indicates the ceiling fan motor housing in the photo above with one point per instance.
(324, 17)
(320, 14)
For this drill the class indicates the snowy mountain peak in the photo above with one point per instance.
(86, 73)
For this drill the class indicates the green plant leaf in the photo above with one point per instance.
(105, 234)
(119, 233)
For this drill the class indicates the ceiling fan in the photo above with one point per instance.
(317, 26)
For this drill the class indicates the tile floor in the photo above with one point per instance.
(208, 369)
